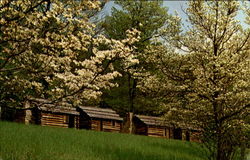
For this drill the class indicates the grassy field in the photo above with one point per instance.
(22, 142)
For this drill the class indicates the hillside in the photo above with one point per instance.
(22, 142)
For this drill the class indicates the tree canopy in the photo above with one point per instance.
(49, 50)
(207, 84)
(200, 78)
(153, 21)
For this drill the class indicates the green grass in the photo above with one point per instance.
(22, 142)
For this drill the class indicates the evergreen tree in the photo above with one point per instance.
(153, 21)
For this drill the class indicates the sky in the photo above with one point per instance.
(172, 6)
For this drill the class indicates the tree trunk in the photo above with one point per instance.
(219, 150)
(0, 112)
(224, 147)
(243, 152)
(132, 95)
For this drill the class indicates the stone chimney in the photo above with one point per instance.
(131, 115)
(28, 113)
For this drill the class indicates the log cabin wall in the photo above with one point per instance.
(58, 115)
(111, 126)
(156, 131)
(152, 126)
(160, 131)
(140, 127)
(157, 127)
(99, 119)
(96, 124)
(195, 136)
(171, 133)
(77, 122)
(106, 125)
(59, 120)
(189, 135)
(168, 132)
(54, 120)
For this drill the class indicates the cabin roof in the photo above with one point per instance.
(59, 109)
(62, 107)
(103, 113)
(150, 120)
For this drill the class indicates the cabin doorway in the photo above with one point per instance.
(100, 125)
(177, 133)
(187, 136)
(71, 121)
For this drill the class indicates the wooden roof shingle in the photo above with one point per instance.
(158, 121)
(59, 109)
(62, 107)
(150, 120)
(103, 113)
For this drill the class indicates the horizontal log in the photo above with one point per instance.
(63, 118)
(51, 116)
(56, 115)
(111, 130)
(152, 135)
(158, 129)
(55, 124)
(54, 119)
(155, 132)
(115, 128)
(151, 130)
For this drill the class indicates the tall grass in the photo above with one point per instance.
(22, 142)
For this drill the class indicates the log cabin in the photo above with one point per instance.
(99, 119)
(21, 114)
(44, 113)
(193, 134)
(152, 126)
(58, 116)
(55, 115)
(158, 127)
(187, 132)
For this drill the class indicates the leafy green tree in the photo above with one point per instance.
(153, 21)
(208, 87)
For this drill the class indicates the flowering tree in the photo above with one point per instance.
(48, 49)
(208, 84)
